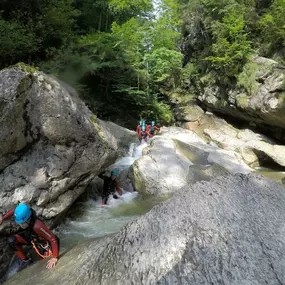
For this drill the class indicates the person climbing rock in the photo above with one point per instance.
(152, 128)
(34, 233)
(143, 134)
(139, 127)
(110, 186)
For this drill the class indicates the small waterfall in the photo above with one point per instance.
(89, 220)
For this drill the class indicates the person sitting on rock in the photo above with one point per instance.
(110, 186)
(152, 128)
(143, 134)
(34, 233)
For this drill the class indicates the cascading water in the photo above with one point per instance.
(89, 220)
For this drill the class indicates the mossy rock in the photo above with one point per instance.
(242, 101)
(27, 68)
(93, 120)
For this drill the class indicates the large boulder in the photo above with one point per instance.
(162, 170)
(261, 103)
(167, 165)
(51, 145)
(226, 231)
(124, 137)
(254, 148)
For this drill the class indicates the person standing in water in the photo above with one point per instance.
(144, 134)
(34, 233)
(110, 186)
(152, 128)
(139, 127)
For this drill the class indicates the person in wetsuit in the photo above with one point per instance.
(143, 134)
(34, 233)
(139, 127)
(152, 128)
(110, 186)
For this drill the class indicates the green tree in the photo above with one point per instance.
(230, 47)
(163, 63)
(272, 25)
(34, 27)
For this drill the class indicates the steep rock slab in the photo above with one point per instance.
(250, 145)
(167, 164)
(226, 231)
(50, 144)
(161, 170)
(263, 108)
(124, 137)
(253, 147)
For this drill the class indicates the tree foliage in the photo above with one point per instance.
(221, 36)
(123, 55)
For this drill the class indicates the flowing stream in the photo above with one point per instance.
(88, 219)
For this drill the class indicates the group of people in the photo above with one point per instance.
(145, 130)
(33, 231)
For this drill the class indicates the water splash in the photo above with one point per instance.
(89, 219)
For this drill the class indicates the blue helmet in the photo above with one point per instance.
(114, 172)
(22, 213)
(143, 127)
(141, 122)
(152, 123)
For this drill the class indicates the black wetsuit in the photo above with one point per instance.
(109, 187)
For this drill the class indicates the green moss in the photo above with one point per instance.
(242, 101)
(93, 120)
(221, 103)
(179, 96)
(24, 85)
(27, 68)
(282, 98)
(247, 78)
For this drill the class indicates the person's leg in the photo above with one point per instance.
(105, 197)
(16, 242)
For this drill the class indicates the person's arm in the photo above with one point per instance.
(7, 215)
(156, 128)
(102, 176)
(149, 134)
(43, 231)
(139, 133)
(118, 188)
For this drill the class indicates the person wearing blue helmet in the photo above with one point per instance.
(110, 186)
(34, 233)
(144, 134)
(152, 128)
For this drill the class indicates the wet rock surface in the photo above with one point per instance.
(51, 146)
(229, 230)
(169, 162)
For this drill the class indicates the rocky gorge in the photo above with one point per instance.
(228, 230)
(257, 101)
(51, 146)
(220, 223)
